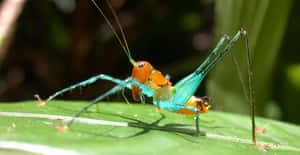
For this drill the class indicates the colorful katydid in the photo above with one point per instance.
(145, 80)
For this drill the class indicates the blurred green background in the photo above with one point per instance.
(56, 43)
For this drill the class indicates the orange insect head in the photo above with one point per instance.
(141, 71)
(146, 74)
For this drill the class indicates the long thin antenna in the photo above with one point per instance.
(119, 24)
(124, 47)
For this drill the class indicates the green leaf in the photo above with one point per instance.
(148, 132)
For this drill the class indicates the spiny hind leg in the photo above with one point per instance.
(250, 97)
(260, 131)
(214, 52)
(80, 84)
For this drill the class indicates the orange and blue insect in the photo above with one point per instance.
(147, 81)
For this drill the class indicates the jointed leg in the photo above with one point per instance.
(175, 107)
(240, 33)
(126, 83)
(240, 73)
(81, 84)
(251, 91)
(197, 123)
(222, 53)
(214, 52)
(124, 96)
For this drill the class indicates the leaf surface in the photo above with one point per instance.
(147, 131)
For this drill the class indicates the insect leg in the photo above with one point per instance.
(124, 96)
(214, 52)
(122, 84)
(187, 86)
(250, 80)
(221, 54)
(251, 101)
(240, 73)
(197, 123)
(175, 107)
(80, 84)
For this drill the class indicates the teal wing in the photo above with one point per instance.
(187, 87)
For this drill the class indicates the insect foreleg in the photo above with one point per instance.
(124, 84)
(81, 84)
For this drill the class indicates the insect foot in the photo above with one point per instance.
(263, 130)
(62, 128)
(262, 146)
(39, 100)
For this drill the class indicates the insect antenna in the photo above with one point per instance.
(121, 29)
(123, 42)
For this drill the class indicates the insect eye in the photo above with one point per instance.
(140, 65)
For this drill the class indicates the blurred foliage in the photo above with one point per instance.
(261, 20)
(287, 88)
(290, 95)
(58, 43)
